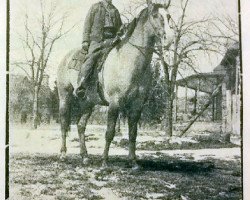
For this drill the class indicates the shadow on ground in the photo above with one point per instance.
(164, 177)
(170, 164)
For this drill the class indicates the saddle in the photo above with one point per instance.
(80, 56)
(77, 60)
(93, 85)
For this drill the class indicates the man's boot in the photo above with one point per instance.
(85, 74)
(80, 90)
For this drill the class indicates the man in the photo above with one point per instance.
(100, 31)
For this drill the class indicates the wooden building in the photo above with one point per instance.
(223, 88)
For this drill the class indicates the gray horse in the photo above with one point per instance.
(124, 83)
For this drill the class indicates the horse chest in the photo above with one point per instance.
(125, 74)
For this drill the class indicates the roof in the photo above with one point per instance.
(220, 69)
(204, 82)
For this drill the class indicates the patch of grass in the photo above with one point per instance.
(196, 180)
(202, 144)
(166, 175)
(123, 143)
(25, 192)
(90, 137)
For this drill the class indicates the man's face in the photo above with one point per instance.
(108, 1)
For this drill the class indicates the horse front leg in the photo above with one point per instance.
(81, 126)
(113, 112)
(64, 110)
(133, 118)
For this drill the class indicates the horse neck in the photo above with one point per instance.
(143, 39)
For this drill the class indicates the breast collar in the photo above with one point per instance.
(106, 5)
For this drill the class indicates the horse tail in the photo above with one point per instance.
(63, 66)
(65, 110)
(65, 92)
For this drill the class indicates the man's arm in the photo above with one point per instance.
(119, 21)
(118, 25)
(88, 25)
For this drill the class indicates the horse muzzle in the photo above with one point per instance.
(161, 38)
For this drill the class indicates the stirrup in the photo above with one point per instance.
(80, 92)
(74, 92)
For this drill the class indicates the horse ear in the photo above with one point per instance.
(153, 8)
(149, 2)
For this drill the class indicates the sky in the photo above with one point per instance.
(77, 10)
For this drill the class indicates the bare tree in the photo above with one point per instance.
(38, 42)
(225, 31)
(191, 38)
(132, 9)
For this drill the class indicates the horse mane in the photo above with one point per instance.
(129, 30)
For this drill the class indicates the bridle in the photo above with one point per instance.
(141, 48)
(156, 4)
(155, 28)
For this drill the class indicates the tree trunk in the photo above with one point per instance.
(169, 116)
(35, 108)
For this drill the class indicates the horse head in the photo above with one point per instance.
(156, 20)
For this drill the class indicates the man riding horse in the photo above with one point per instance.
(125, 78)
(100, 33)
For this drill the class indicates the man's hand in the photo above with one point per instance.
(85, 46)
(116, 40)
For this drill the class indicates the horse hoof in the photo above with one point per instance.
(104, 165)
(136, 167)
(63, 156)
(85, 161)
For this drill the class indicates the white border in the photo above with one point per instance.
(245, 19)
(245, 5)
(2, 95)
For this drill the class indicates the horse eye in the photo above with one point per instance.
(155, 15)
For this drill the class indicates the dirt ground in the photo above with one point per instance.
(187, 168)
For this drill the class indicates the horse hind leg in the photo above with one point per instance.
(113, 112)
(81, 126)
(133, 118)
(64, 111)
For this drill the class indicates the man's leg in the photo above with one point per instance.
(87, 68)
(84, 75)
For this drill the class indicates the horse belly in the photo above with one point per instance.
(118, 73)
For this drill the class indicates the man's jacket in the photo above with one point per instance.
(95, 22)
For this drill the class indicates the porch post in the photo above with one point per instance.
(176, 103)
(186, 99)
(195, 102)
(213, 108)
(223, 108)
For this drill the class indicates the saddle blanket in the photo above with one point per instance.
(80, 56)
(77, 60)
